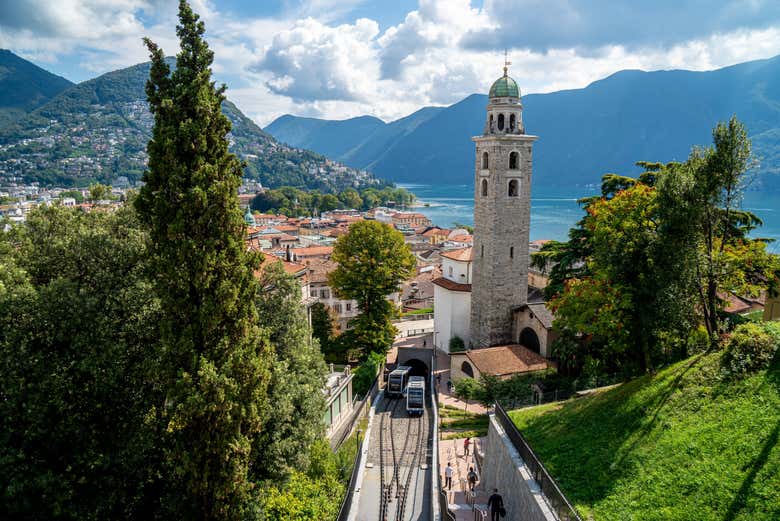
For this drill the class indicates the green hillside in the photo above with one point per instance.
(98, 131)
(24, 86)
(683, 444)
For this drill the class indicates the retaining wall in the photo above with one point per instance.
(505, 470)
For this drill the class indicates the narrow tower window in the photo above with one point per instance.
(513, 188)
(500, 122)
(482, 251)
(512, 122)
(484, 187)
(484, 160)
(514, 159)
(511, 252)
(490, 123)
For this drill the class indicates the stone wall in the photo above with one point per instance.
(505, 470)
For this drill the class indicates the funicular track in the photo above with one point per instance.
(402, 446)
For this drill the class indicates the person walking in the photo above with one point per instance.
(448, 477)
(496, 506)
(466, 444)
(472, 477)
(449, 386)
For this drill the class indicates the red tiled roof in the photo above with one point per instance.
(313, 251)
(461, 254)
(452, 285)
(507, 360)
(291, 268)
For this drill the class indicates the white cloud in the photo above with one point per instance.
(313, 61)
(301, 61)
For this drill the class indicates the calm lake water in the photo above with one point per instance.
(555, 210)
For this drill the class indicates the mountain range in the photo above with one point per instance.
(583, 133)
(24, 86)
(58, 133)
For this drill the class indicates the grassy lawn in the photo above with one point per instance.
(682, 444)
(457, 423)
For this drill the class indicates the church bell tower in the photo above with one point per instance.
(502, 213)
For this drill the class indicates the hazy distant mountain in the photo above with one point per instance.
(98, 130)
(583, 133)
(24, 86)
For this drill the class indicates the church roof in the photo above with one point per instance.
(461, 254)
(507, 360)
(504, 87)
(452, 285)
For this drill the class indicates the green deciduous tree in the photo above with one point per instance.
(653, 257)
(99, 192)
(701, 200)
(325, 330)
(214, 369)
(297, 404)
(78, 394)
(372, 260)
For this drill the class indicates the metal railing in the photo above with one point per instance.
(346, 503)
(358, 411)
(557, 501)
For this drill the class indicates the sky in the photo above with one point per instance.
(337, 59)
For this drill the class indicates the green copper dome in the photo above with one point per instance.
(249, 218)
(504, 87)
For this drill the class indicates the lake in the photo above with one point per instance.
(555, 210)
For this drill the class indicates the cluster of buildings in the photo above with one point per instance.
(100, 141)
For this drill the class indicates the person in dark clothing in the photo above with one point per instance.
(496, 506)
(472, 477)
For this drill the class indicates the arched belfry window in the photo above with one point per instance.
(514, 188)
(512, 122)
(514, 160)
(500, 122)
(490, 123)
(484, 187)
(484, 159)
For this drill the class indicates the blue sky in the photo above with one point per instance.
(387, 58)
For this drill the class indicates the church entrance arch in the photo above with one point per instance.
(467, 369)
(529, 339)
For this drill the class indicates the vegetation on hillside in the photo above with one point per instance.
(295, 202)
(689, 442)
(98, 130)
(24, 87)
(651, 260)
(145, 371)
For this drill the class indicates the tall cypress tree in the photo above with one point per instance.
(214, 360)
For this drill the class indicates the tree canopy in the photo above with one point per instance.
(654, 257)
(373, 260)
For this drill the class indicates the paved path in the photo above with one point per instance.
(451, 451)
(446, 397)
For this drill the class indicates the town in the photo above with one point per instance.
(417, 292)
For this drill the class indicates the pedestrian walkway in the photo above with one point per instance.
(446, 396)
(461, 503)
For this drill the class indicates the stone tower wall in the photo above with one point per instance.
(501, 234)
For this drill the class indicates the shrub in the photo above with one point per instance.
(456, 344)
(469, 389)
(750, 348)
(366, 373)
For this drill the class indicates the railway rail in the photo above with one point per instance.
(402, 446)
